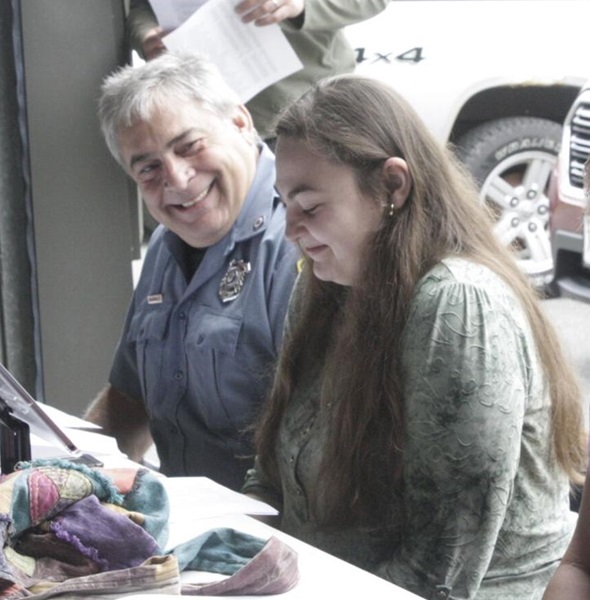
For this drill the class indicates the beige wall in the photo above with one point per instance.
(82, 204)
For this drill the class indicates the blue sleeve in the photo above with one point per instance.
(124, 374)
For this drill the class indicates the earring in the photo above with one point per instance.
(391, 209)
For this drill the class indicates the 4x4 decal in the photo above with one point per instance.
(412, 55)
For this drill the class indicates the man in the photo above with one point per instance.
(205, 321)
(314, 28)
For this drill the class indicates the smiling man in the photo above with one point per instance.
(205, 322)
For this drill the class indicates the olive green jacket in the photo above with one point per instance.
(317, 37)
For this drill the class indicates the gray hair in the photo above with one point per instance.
(132, 93)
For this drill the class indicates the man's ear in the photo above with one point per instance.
(242, 119)
(397, 179)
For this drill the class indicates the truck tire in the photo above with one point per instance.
(512, 159)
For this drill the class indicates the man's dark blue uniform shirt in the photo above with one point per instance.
(199, 349)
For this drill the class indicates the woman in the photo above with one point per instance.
(423, 423)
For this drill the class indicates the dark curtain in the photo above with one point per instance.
(17, 287)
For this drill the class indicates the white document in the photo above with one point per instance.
(250, 58)
(87, 441)
(195, 498)
(65, 420)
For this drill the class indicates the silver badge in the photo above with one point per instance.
(233, 281)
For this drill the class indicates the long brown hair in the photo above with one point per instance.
(360, 122)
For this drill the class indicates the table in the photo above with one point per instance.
(198, 505)
(321, 575)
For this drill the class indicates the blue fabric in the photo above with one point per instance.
(202, 366)
(220, 550)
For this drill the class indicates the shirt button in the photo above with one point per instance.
(292, 459)
(258, 223)
(179, 375)
(182, 316)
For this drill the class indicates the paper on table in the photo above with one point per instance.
(65, 420)
(199, 497)
(88, 441)
(250, 58)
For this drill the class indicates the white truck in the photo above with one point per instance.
(495, 78)
(570, 212)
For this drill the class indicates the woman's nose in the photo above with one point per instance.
(292, 225)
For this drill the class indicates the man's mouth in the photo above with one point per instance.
(200, 197)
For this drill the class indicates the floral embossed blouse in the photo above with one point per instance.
(485, 509)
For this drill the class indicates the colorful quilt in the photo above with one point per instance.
(70, 531)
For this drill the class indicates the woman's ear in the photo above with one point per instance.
(397, 179)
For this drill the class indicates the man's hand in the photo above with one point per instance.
(267, 12)
(123, 418)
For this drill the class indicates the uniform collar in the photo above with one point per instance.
(259, 203)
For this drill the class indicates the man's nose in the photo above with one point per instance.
(177, 174)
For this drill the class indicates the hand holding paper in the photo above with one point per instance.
(250, 58)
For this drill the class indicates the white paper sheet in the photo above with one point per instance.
(93, 443)
(65, 420)
(199, 497)
(250, 58)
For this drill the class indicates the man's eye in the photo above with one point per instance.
(147, 172)
(190, 147)
(311, 210)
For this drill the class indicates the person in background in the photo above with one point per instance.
(314, 28)
(205, 322)
(572, 578)
(423, 423)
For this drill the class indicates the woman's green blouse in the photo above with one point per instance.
(485, 509)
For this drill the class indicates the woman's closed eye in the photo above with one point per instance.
(311, 210)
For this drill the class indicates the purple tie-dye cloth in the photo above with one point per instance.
(67, 529)
(91, 528)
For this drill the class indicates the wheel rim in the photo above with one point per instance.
(516, 192)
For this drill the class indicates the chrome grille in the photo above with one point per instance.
(579, 144)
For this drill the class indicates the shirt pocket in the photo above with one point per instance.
(212, 332)
(229, 391)
(147, 333)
